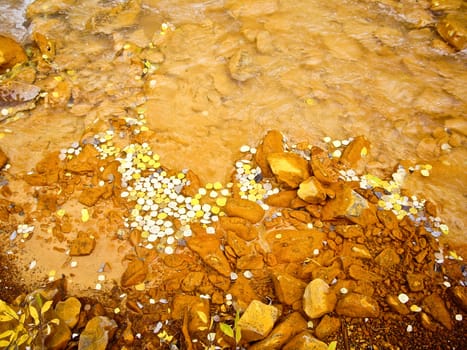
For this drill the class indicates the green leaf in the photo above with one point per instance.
(46, 306)
(226, 329)
(332, 345)
(34, 314)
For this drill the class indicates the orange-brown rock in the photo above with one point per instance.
(355, 151)
(242, 227)
(3, 159)
(281, 199)
(84, 162)
(195, 308)
(305, 341)
(351, 249)
(289, 168)
(388, 258)
(435, 306)
(349, 204)
(243, 293)
(250, 262)
(68, 311)
(59, 337)
(349, 231)
(111, 173)
(318, 299)
(323, 168)
(359, 273)
(459, 294)
(99, 330)
(244, 208)
(83, 244)
(91, 195)
(192, 281)
(272, 143)
(415, 281)
(327, 327)
(11, 53)
(293, 324)
(257, 321)
(357, 305)
(288, 288)
(396, 305)
(208, 248)
(192, 185)
(135, 273)
(294, 245)
(312, 191)
(239, 246)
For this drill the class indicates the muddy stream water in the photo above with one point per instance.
(211, 76)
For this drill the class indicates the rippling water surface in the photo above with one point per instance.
(228, 71)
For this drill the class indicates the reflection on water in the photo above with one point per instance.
(213, 75)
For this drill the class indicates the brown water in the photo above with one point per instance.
(225, 72)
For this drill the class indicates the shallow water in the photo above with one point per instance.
(228, 71)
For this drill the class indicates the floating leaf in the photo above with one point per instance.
(46, 306)
(226, 329)
(332, 345)
(34, 314)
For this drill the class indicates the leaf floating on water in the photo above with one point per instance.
(14, 93)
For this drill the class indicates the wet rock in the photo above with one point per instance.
(349, 231)
(47, 7)
(59, 337)
(192, 280)
(84, 162)
(258, 320)
(358, 273)
(318, 299)
(305, 341)
(97, 333)
(243, 293)
(396, 305)
(272, 143)
(328, 273)
(357, 150)
(242, 227)
(90, 196)
(17, 94)
(294, 245)
(357, 305)
(250, 262)
(135, 273)
(288, 288)
(68, 311)
(443, 5)
(459, 294)
(415, 281)
(311, 191)
(349, 204)
(241, 66)
(264, 42)
(83, 244)
(327, 327)
(208, 248)
(355, 250)
(428, 323)
(281, 199)
(435, 306)
(239, 246)
(193, 184)
(245, 8)
(322, 166)
(453, 29)
(11, 53)
(289, 168)
(3, 159)
(388, 258)
(110, 19)
(293, 324)
(197, 310)
(245, 209)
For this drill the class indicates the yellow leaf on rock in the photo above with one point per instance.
(202, 316)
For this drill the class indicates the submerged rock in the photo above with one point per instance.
(305, 341)
(318, 299)
(11, 53)
(357, 305)
(257, 320)
(97, 333)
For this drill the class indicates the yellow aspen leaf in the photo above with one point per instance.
(21, 340)
(332, 345)
(226, 329)
(7, 334)
(8, 310)
(55, 321)
(46, 306)
(34, 314)
(202, 316)
(6, 318)
(4, 343)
